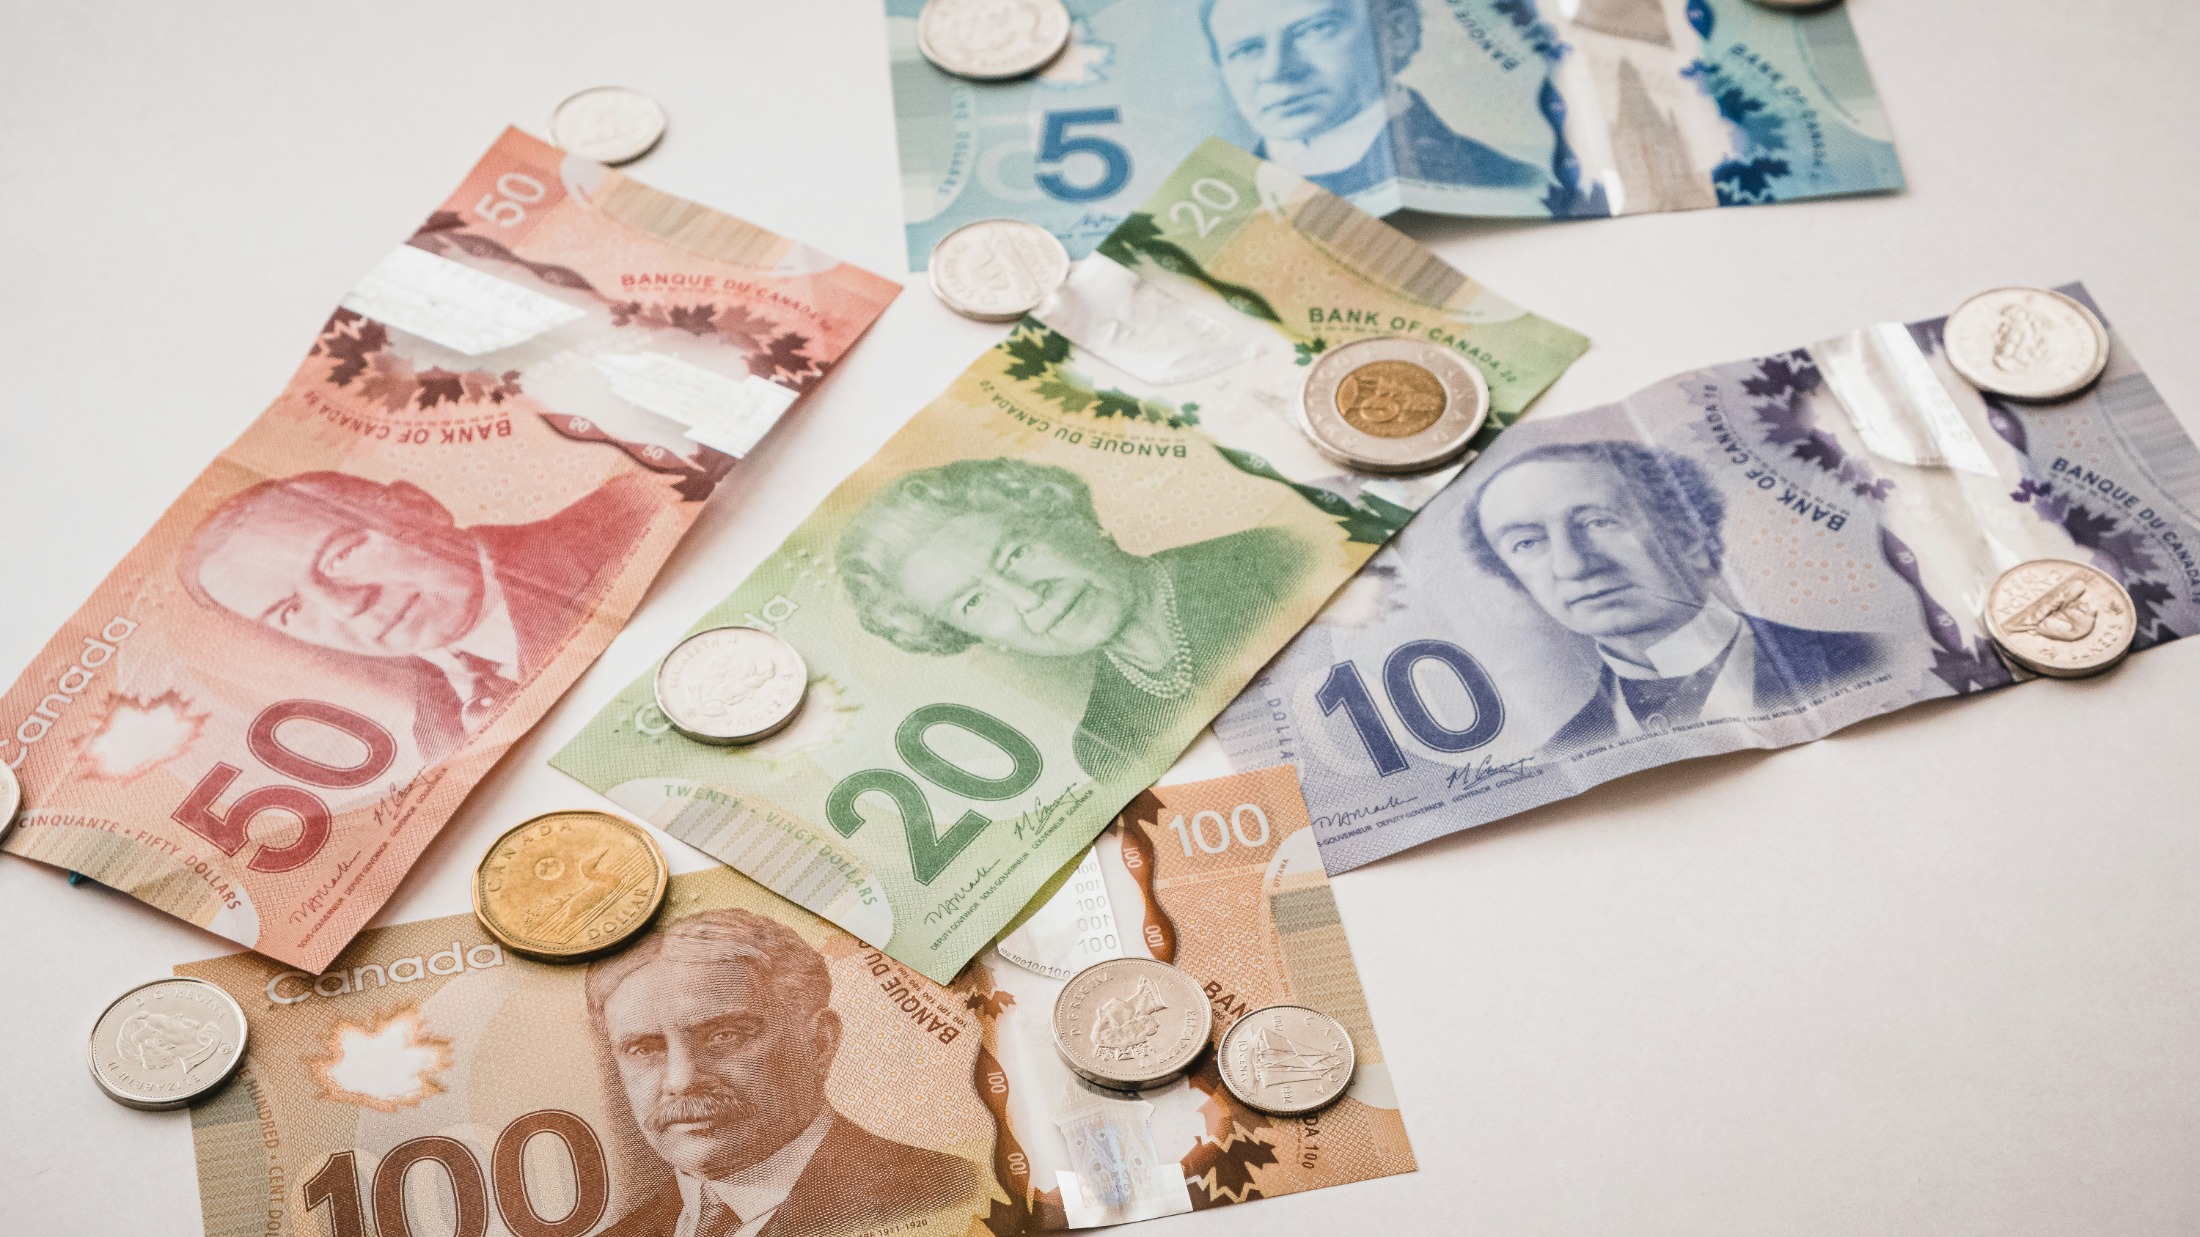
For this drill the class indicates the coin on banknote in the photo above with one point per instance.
(1393, 404)
(1286, 1059)
(2060, 618)
(610, 124)
(990, 40)
(166, 1043)
(11, 797)
(997, 270)
(731, 685)
(1131, 1023)
(2026, 343)
(569, 885)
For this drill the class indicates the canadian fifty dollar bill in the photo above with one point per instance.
(1529, 108)
(271, 705)
(746, 1051)
(1019, 612)
(1750, 555)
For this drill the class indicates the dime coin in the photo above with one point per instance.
(167, 1043)
(2026, 343)
(996, 270)
(2060, 618)
(1393, 404)
(991, 40)
(731, 685)
(1131, 1023)
(609, 124)
(569, 885)
(1286, 1059)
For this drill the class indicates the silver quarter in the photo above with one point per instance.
(731, 685)
(609, 124)
(2026, 343)
(2060, 618)
(1393, 404)
(167, 1043)
(996, 270)
(1131, 1023)
(992, 40)
(1286, 1060)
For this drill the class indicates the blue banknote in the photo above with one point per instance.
(1750, 555)
(1518, 108)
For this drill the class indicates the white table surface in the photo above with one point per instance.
(1937, 974)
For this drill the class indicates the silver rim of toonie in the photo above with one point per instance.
(740, 726)
(936, 38)
(1980, 372)
(1467, 407)
(1247, 1091)
(963, 258)
(119, 1093)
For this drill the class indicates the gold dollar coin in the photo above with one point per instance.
(569, 885)
(1390, 399)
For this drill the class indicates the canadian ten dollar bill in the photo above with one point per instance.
(1471, 107)
(747, 1058)
(1750, 555)
(1018, 613)
(272, 704)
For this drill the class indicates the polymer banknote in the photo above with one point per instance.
(1021, 610)
(746, 1057)
(1515, 108)
(272, 704)
(1749, 555)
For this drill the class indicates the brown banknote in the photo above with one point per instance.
(748, 1064)
(275, 700)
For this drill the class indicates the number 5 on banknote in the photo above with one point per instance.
(1018, 613)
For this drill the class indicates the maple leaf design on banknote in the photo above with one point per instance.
(391, 1063)
(458, 498)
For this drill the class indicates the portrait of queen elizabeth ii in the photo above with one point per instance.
(1012, 555)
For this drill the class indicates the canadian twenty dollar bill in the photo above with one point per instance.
(274, 701)
(1750, 555)
(1018, 613)
(1468, 107)
(746, 1055)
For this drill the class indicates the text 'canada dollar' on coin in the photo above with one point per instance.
(569, 885)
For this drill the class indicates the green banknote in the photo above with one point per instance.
(1020, 611)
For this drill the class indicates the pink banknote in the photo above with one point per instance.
(277, 698)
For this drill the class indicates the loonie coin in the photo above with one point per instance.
(167, 1043)
(2026, 343)
(569, 885)
(11, 797)
(1286, 1059)
(2060, 618)
(731, 685)
(1393, 404)
(997, 270)
(1131, 1023)
(990, 40)
(610, 124)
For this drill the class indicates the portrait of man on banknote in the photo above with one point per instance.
(722, 1032)
(381, 579)
(1620, 543)
(1012, 554)
(1312, 78)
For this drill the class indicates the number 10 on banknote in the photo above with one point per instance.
(1021, 610)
